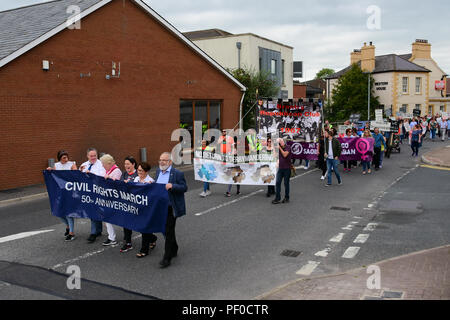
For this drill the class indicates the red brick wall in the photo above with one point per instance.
(43, 112)
(299, 91)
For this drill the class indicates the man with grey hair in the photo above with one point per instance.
(176, 187)
(94, 166)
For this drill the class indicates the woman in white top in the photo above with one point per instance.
(112, 172)
(64, 164)
(148, 239)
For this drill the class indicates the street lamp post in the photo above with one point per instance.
(368, 99)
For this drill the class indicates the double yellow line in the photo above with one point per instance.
(434, 167)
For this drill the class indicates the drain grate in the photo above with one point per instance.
(340, 208)
(291, 253)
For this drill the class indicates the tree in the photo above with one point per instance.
(350, 95)
(325, 72)
(255, 82)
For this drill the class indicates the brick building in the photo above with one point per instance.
(120, 82)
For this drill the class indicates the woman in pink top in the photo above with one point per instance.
(112, 172)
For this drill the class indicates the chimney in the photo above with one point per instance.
(355, 56)
(368, 57)
(421, 49)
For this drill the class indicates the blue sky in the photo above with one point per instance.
(322, 32)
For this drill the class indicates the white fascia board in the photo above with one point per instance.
(51, 33)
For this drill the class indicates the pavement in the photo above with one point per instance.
(423, 275)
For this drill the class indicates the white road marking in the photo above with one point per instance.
(337, 238)
(370, 227)
(87, 255)
(349, 227)
(307, 269)
(361, 238)
(357, 217)
(229, 203)
(323, 253)
(351, 252)
(22, 235)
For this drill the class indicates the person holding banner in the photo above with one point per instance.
(148, 239)
(114, 173)
(176, 187)
(284, 171)
(333, 151)
(94, 166)
(64, 164)
(268, 148)
(128, 175)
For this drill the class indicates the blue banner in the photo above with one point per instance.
(138, 207)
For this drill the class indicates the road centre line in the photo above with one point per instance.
(337, 238)
(244, 197)
(361, 238)
(23, 235)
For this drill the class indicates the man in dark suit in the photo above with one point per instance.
(176, 186)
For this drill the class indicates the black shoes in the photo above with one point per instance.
(276, 201)
(285, 200)
(164, 263)
(109, 243)
(67, 232)
(93, 237)
(70, 238)
(126, 247)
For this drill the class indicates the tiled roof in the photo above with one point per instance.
(18, 27)
(388, 63)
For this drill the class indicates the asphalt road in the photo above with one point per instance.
(231, 248)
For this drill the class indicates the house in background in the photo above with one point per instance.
(123, 80)
(249, 51)
(403, 83)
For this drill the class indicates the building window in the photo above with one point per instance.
(430, 110)
(442, 109)
(418, 107)
(282, 71)
(404, 108)
(405, 87)
(208, 112)
(273, 67)
(418, 85)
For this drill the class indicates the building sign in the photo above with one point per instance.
(416, 112)
(440, 85)
(381, 86)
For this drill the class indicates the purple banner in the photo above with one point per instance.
(352, 149)
(304, 150)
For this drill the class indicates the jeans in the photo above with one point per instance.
(415, 147)
(333, 165)
(69, 222)
(365, 165)
(238, 187)
(286, 175)
(205, 186)
(381, 158)
(433, 134)
(96, 227)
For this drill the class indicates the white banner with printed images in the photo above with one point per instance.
(258, 169)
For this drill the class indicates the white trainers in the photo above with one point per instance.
(203, 194)
(306, 167)
(323, 178)
(208, 192)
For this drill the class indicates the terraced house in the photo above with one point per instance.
(403, 83)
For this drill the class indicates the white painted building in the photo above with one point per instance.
(249, 51)
(402, 82)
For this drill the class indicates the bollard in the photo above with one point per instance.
(143, 154)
